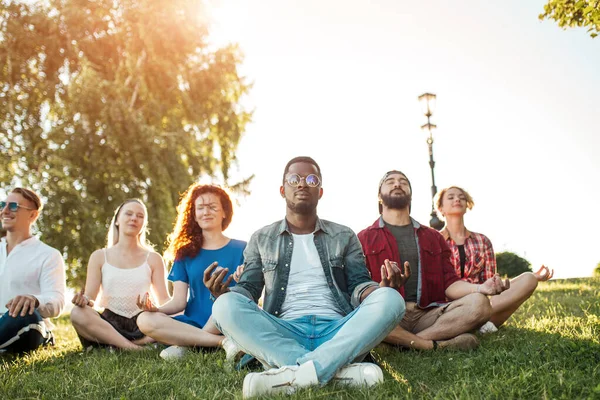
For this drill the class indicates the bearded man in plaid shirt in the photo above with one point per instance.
(441, 309)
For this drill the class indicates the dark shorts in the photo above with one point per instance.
(127, 327)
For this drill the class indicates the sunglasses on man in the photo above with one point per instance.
(311, 180)
(13, 206)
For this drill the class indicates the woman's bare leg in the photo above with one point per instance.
(143, 341)
(87, 323)
(165, 329)
(210, 327)
(505, 304)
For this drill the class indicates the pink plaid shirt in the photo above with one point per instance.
(480, 263)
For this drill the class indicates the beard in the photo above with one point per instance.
(396, 202)
(302, 208)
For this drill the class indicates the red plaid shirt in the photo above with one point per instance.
(480, 261)
(436, 272)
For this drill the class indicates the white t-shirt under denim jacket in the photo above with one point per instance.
(307, 291)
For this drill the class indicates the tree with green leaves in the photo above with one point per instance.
(597, 271)
(511, 265)
(574, 13)
(111, 99)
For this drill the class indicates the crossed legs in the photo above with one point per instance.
(506, 303)
(22, 333)
(419, 328)
(463, 315)
(88, 324)
(165, 329)
(278, 342)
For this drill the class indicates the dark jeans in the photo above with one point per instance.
(21, 334)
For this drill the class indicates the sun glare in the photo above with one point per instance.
(228, 20)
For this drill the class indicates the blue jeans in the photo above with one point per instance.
(330, 343)
(20, 334)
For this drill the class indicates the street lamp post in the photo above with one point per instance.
(428, 103)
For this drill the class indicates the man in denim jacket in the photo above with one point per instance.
(321, 310)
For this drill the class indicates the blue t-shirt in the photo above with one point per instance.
(191, 271)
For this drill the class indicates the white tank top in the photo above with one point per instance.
(121, 287)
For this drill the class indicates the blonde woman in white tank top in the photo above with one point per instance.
(127, 268)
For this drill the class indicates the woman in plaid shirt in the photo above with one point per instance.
(474, 261)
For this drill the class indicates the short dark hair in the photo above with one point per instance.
(300, 159)
(29, 195)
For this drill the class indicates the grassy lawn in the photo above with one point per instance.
(550, 349)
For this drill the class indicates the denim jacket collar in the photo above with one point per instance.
(319, 226)
(268, 255)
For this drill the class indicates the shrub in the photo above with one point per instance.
(511, 265)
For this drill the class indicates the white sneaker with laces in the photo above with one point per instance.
(488, 327)
(283, 380)
(359, 374)
(174, 352)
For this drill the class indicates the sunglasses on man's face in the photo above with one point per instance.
(13, 206)
(311, 180)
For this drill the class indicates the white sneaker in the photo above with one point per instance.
(174, 352)
(359, 374)
(232, 353)
(488, 327)
(283, 380)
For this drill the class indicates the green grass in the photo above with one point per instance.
(550, 349)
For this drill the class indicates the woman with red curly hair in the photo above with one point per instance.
(197, 241)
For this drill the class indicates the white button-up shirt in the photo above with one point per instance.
(33, 268)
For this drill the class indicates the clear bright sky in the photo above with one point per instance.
(517, 114)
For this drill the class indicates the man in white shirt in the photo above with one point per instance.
(32, 276)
